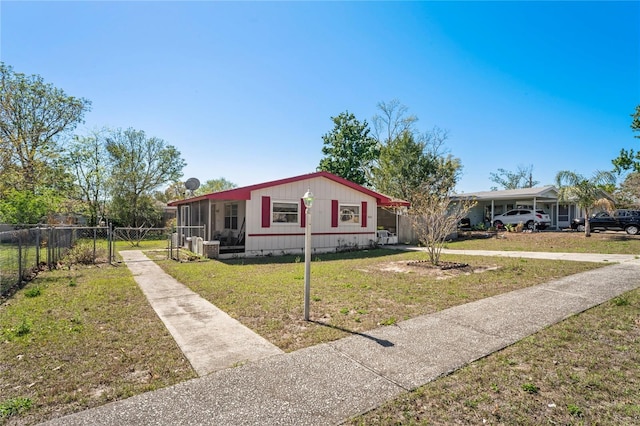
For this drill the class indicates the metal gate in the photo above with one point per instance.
(133, 237)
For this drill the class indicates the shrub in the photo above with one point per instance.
(83, 253)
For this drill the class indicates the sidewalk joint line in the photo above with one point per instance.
(366, 367)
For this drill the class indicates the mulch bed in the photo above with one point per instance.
(443, 266)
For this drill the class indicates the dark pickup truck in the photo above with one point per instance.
(621, 220)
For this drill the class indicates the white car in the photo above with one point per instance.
(525, 216)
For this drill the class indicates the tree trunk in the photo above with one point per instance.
(587, 226)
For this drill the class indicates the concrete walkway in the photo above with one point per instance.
(329, 383)
(209, 338)
(581, 257)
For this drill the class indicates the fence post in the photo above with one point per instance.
(37, 246)
(95, 236)
(110, 241)
(49, 245)
(19, 258)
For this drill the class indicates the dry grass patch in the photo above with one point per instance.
(71, 340)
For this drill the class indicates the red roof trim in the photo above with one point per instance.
(244, 193)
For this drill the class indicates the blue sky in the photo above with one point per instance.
(245, 90)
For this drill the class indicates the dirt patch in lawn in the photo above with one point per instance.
(442, 271)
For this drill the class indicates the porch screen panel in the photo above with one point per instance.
(334, 213)
(363, 215)
(266, 212)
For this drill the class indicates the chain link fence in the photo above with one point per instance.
(156, 239)
(26, 250)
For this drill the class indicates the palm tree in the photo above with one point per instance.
(587, 193)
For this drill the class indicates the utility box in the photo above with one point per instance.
(198, 246)
(211, 249)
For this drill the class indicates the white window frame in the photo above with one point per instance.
(355, 215)
(285, 223)
(231, 216)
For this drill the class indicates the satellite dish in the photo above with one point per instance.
(192, 184)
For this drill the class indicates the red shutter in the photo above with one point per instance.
(363, 214)
(266, 212)
(334, 213)
(303, 214)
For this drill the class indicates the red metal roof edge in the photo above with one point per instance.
(244, 193)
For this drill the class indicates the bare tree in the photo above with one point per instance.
(392, 121)
(435, 215)
(521, 178)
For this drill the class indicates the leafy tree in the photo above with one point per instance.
(175, 191)
(34, 116)
(25, 207)
(392, 121)
(629, 160)
(139, 166)
(587, 193)
(88, 160)
(408, 158)
(215, 185)
(348, 149)
(405, 164)
(628, 195)
(434, 215)
(147, 213)
(178, 190)
(521, 178)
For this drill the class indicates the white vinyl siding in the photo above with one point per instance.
(284, 237)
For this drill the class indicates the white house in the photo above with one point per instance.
(492, 203)
(269, 218)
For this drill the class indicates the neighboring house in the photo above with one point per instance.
(269, 218)
(492, 203)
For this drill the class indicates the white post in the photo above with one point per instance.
(308, 202)
(307, 262)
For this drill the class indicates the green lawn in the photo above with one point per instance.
(575, 242)
(353, 292)
(72, 340)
